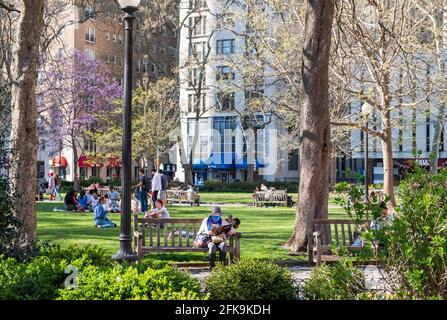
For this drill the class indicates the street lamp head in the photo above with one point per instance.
(367, 109)
(129, 6)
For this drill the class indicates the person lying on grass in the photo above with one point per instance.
(100, 215)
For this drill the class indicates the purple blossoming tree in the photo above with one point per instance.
(75, 94)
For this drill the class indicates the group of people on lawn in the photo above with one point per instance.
(213, 231)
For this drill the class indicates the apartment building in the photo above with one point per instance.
(98, 31)
(213, 98)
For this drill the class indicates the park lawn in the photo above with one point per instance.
(264, 230)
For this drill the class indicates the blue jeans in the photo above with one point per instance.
(104, 223)
(143, 200)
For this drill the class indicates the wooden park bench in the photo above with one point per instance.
(182, 196)
(326, 232)
(174, 235)
(264, 198)
(101, 191)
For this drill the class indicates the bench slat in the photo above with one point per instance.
(173, 234)
(337, 239)
(187, 234)
(165, 234)
(180, 235)
(351, 240)
(158, 235)
(343, 234)
(151, 241)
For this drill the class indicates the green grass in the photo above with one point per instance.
(264, 230)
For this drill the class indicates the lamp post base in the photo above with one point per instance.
(122, 255)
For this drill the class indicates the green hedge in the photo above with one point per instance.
(244, 186)
(99, 277)
(250, 280)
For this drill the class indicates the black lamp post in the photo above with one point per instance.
(366, 110)
(125, 251)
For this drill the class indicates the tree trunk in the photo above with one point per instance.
(388, 181)
(24, 116)
(314, 122)
(188, 173)
(76, 176)
(439, 124)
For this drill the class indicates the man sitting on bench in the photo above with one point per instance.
(212, 234)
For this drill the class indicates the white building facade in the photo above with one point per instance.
(226, 145)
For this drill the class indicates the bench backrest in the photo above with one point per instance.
(277, 195)
(180, 195)
(340, 231)
(167, 232)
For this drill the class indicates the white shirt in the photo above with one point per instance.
(156, 182)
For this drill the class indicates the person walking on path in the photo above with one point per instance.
(156, 185)
(164, 186)
(142, 188)
(51, 186)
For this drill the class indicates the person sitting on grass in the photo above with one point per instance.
(94, 200)
(71, 201)
(82, 200)
(100, 215)
(159, 212)
(114, 199)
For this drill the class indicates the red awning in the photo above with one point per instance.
(60, 161)
(114, 162)
(85, 161)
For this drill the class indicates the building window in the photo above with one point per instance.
(43, 144)
(194, 75)
(139, 66)
(293, 161)
(154, 71)
(224, 73)
(107, 58)
(114, 38)
(197, 25)
(225, 46)
(225, 101)
(192, 103)
(91, 53)
(120, 40)
(197, 50)
(196, 4)
(40, 169)
(95, 172)
(90, 34)
(113, 59)
(224, 144)
(145, 66)
(107, 36)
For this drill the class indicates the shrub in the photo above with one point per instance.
(130, 282)
(38, 279)
(339, 282)
(41, 277)
(79, 256)
(244, 186)
(415, 244)
(250, 280)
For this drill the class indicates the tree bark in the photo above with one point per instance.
(439, 123)
(314, 122)
(24, 116)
